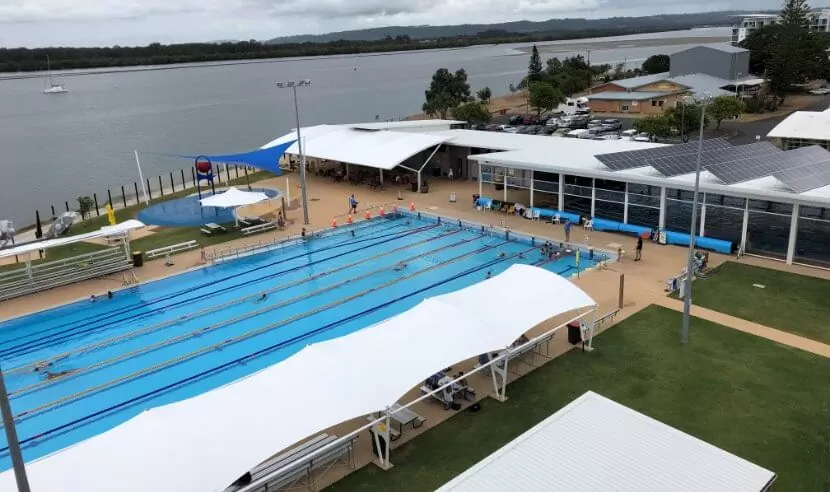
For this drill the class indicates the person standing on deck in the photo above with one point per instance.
(352, 204)
(567, 231)
(638, 254)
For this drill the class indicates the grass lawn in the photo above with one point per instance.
(765, 402)
(788, 302)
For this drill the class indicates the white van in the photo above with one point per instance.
(573, 106)
(581, 133)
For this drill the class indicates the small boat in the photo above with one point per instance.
(53, 87)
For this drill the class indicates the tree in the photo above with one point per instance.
(446, 91)
(658, 126)
(85, 205)
(686, 119)
(795, 13)
(544, 97)
(534, 68)
(724, 107)
(484, 95)
(472, 113)
(656, 64)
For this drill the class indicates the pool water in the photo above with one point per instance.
(187, 211)
(175, 338)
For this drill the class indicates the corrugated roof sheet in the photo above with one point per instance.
(635, 82)
(594, 444)
(627, 96)
(812, 125)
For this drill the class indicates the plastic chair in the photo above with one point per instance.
(589, 225)
(556, 219)
(536, 215)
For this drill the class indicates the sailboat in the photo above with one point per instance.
(53, 87)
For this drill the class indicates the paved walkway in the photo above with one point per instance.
(745, 326)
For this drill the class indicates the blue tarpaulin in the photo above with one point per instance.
(267, 159)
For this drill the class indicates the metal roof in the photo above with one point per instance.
(627, 96)
(700, 82)
(594, 443)
(726, 48)
(635, 82)
(811, 125)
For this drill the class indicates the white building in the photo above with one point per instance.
(819, 21)
(803, 128)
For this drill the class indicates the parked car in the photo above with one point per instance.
(821, 91)
(613, 124)
(548, 130)
(509, 129)
(581, 133)
(525, 129)
(629, 134)
(554, 122)
(516, 119)
(493, 127)
(594, 123)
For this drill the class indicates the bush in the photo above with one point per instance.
(753, 106)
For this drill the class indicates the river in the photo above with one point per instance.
(58, 147)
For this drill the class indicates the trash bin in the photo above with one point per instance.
(378, 452)
(574, 333)
(138, 259)
(452, 197)
(414, 186)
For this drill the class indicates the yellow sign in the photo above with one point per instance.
(111, 215)
(577, 258)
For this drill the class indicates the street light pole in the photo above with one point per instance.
(293, 85)
(11, 439)
(687, 298)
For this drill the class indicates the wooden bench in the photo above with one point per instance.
(172, 249)
(299, 466)
(211, 229)
(405, 416)
(265, 226)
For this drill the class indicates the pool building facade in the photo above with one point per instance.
(755, 198)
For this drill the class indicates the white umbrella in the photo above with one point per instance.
(233, 198)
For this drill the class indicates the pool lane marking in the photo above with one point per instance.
(176, 360)
(221, 324)
(50, 340)
(212, 309)
(273, 347)
(127, 309)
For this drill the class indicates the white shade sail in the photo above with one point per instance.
(380, 149)
(206, 442)
(233, 197)
(121, 228)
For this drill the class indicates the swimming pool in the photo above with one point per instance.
(187, 211)
(172, 339)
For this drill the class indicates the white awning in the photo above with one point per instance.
(117, 229)
(594, 443)
(233, 197)
(380, 149)
(206, 442)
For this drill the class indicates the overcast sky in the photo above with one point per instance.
(138, 22)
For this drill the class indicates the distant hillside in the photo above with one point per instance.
(652, 23)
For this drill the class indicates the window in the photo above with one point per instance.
(660, 103)
(654, 103)
(624, 107)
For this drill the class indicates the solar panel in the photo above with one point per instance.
(631, 159)
(684, 164)
(806, 177)
(760, 166)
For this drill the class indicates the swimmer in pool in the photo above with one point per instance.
(501, 254)
(40, 366)
(109, 294)
(57, 375)
(400, 266)
(489, 274)
(261, 298)
(352, 232)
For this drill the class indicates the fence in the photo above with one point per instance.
(124, 196)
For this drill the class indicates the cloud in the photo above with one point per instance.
(124, 22)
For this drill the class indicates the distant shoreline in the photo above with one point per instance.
(134, 63)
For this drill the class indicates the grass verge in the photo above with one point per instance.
(765, 402)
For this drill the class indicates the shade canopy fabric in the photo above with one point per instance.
(594, 443)
(380, 149)
(206, 442)
(264, 158)
(60, 241)
(233, 197)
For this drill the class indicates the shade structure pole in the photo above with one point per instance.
(702, 216)
(744, 227)
(593, 197)
(11, 439)
(479, 178)
(625, 205)
(687, 299)
(504, 184)
(560, 197)
(141, 178)
(531, 188)
(793, 239)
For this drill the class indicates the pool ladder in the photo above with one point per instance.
(129, 279)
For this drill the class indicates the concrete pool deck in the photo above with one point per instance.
(644, 281)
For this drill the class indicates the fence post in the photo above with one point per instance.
(622, 289)
(53, 210)
(236, 168)
(228, 171)
(161, 186)
(67, 205)
(123, 196)
(193, 173)
(109, 195)
(136, 192)
(184, 185)
(149, 190)
(172, 184)
(95, 200)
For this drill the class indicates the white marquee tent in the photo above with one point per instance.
(105, 231)
(206, 442)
